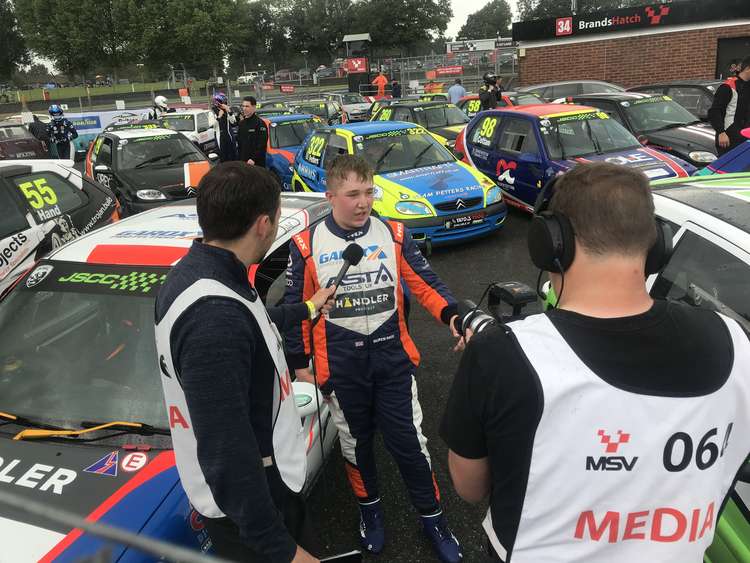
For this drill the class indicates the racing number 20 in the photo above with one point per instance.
(38, 193)
(488, 127)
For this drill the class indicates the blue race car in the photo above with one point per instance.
(417, 180)
(736, 160)
(523, 147)
(285, 136)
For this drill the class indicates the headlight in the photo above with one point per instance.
(412, 208)
(493, 196)
(702, 156)
(150, 195)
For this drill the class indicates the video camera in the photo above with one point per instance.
(515, 294)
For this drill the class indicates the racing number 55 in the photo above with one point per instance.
(38, 193)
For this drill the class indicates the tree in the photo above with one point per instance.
(491, 21)
(13, 53)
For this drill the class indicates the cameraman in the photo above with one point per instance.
(590, 424)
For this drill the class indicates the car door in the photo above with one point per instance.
(310, 165)
(480, 143)
(518, 169)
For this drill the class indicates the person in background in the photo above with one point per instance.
(60, 132)
(456, 92)
(225, 121)
(395, 89)
(380, 83)
(39, 130)
(489, 93)
(161, 107)
(724, 115)
(252, 137)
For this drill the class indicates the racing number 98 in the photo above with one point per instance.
(488, 127)
(38, 193)
(316, 146)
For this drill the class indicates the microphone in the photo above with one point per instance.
(352, 255)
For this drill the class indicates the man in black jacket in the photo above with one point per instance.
(235, 429)
(253, 135)
(728, 113)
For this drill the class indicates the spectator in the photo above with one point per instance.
(252, 137)
(60, 132)
(456, 92)
(395, 89)
(724, 115)
(380, 83)
(39, 130)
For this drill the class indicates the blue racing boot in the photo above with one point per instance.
(371, 529)
(443, 541)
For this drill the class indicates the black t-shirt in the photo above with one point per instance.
(496, 401)
(252, 139)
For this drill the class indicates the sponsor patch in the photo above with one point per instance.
(134, 461)
(105, 466)
(360, 303)
(38, 275)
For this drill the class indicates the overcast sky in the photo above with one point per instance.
(462, 9)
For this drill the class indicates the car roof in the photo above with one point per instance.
(679, 83)
(617, 96)
(418, 103)
(535, 86)
(289, 117)
(371, 127)
(139, 133)
(547, 110)
(161, 236)
(724, 196)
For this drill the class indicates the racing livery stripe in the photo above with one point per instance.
(29, 542)
(289, 155)
(676, 168)
(158, 465)
(136, 255)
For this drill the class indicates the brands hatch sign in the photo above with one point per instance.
(649, 16)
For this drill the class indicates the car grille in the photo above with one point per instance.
(455, 205)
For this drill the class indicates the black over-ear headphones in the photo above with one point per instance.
(551, 238)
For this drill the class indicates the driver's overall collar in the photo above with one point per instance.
(347, 234)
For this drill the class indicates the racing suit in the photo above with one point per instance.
(364, 357)
(724, 110)
(60, 133)
(224, 135)
(489, 96)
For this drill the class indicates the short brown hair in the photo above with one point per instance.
(609, 206)
(343, 165)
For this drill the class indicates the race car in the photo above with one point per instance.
(696, 96)
(471, 105)
(442, 119)
(196, 124)
(77, 352)
(272, 111)
(285, 136)
(554, 90)
(526, 146)
(433, 97)
(43, 205)
(658, 122)
(17, 143)
(354, 105)
(736, 160)
(417, 180)
(329, 111)
(143, 167)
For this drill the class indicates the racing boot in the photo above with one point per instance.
(443, 541)
(371, 529)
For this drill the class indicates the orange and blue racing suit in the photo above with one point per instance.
(364, 357)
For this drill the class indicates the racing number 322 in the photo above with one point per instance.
(316, 147)
(38, 193)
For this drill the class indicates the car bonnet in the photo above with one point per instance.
(105, 484)
(654, 164)
(688, 138)
(439, 183)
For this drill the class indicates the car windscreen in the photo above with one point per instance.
(657, 113)
(291, 133)
(352, 99)
(315, 109)
(442, 116)
(580, 134)
(703, 274)
(401, 150)
(14, 132)
(156, 151)
(179, 122)
(526, 99)
(77, 344)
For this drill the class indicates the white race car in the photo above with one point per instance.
(77, 350)
(196, 124)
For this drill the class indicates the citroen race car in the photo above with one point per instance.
(658, 122)
(526, 146)
(354, 105)
(328, 110)
(696, 96)
(286, 134)
(77, 352)
(434, 97)
(143, 167)
(471, 105)
(417, 180)
(442, 119)
(196, 124)
(43, 205)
